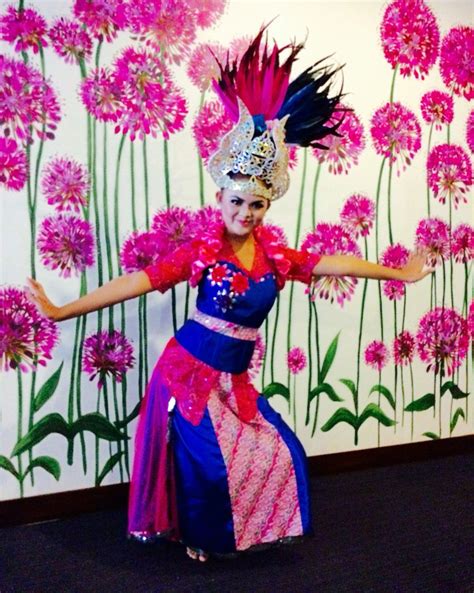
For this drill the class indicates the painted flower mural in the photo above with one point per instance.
(455, 63)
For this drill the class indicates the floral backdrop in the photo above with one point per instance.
(107, 120)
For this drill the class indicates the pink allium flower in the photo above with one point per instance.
(404, 348)
(396, 134)
(238, 46)
(292, 156)
(470, 131)
(151, 101)
(358, 215)
(437, 108)
(70, 41)
(27, 102)
(205, 220)
(26, 337)
(376, 355)
(202, 65)
(100, 94)
(332, 239)
(139, 251)
(296, 360)
(395, 257)
(107, 354)
(344, 150)
(432, 235)
(442, 340)
(207, 12)
(103, 18)
(257, 357)
(462, 245)
(65, 184)
(172, 228)
(67, 243)
(449, 173)
(210, 125)
(456, 64)
(470, 320)
(13, 165)
(168, 27)
(410, 37)
(24, 29)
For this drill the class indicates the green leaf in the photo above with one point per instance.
(327, 389)
(49, 464)
(385, 392)
(431, 435)
(423, 403)
(276, 389)
(52, 423)
(459, 413)
(133, 414)
(48, 389)
(373, 411)
(328, 359)
(6, 464)
(99, 425)
(350, 384)
(454, 389)
(340, 415)
(108, 467)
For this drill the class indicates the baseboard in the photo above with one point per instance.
(62, 504)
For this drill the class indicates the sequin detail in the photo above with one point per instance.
(226, 328)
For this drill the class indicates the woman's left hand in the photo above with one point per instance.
(416, 268)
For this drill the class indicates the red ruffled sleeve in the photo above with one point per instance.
(173, 268)
(302, 264)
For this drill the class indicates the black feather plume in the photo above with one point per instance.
(310, 107)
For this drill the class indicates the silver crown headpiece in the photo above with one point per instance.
(263, 159)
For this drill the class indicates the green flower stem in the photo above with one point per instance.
(146, 183)
(200, 165)
(444, 284)
(378, 403)
(275, 329)
(297, 238)
(264, 365)
(412, 384)
(186, 302)
(389, 203)
(116, 201)
(97, 54)
(361, 325)
(434, 393)
(294, 403)
(145, 338)
(440, 386)
(448, 134)
(451, 270)
(105, 205)
(31, 419)
(140, 347)
(19, 429)
(404, 310)
(435, 290)
(315, 189)
(173, 309)
(117, 418)
(310, 359)
(392, 86)
(167, 173)
(125, 429)
(427, 184)
(96, 474)
(132, 186)
(395, 368)
(318, 399)
(95, 203)
(403, 395)
(465, 310)
(377, 200)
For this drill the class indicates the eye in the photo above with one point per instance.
(237, 201)
(257, 205)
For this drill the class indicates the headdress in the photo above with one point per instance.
(270, 113)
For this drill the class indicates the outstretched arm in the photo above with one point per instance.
(348, 265)
(116, 291)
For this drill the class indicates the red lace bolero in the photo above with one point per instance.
(189, 261)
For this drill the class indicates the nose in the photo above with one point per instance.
(245, 210)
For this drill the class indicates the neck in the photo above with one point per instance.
(238, 240)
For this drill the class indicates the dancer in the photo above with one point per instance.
(222, 472)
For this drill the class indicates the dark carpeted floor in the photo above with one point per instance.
(401, 529)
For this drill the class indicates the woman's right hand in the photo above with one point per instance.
(38, 296)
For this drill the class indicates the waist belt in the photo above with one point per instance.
(225, 328)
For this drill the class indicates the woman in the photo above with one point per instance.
(223, 473)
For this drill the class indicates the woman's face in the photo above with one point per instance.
(241, 212)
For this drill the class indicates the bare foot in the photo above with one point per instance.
(197, 554)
